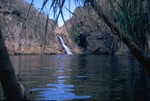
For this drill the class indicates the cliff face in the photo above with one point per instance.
(89, 32)
(24, 31)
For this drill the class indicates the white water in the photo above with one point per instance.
(68, 51)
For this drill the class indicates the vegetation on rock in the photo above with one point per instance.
(23, 28)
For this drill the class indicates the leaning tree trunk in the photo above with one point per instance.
(134, 48)
(7, 75)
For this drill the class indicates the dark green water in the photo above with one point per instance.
(82, 77)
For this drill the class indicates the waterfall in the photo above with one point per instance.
(68, 51)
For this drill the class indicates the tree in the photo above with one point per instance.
(130, 14)
(8, 79)
(136, 50)
(133, 17)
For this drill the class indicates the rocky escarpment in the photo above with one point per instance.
(89, 32)
(25, 30)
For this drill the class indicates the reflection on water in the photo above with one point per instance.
(82, 77)
(62, 89)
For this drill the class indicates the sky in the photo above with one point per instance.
(38, 4)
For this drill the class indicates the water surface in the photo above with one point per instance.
(81, 77)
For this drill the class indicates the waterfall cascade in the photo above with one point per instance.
(68, 51)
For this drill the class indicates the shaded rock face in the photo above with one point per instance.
(24, 31)
(90, 33)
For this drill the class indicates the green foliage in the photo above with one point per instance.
(75, 35)
(132, 18)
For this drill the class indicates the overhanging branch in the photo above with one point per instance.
(136, 51)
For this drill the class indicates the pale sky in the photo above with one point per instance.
(67, 15)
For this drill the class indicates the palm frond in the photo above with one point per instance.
(29, 9)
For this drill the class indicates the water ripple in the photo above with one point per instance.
(58, 92)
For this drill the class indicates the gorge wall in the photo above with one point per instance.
(24, 30)
(89, 32)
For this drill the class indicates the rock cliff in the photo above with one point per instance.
(89, 32)
(25, 31)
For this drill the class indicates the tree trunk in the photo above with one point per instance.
(134, 48)
(8, 80)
